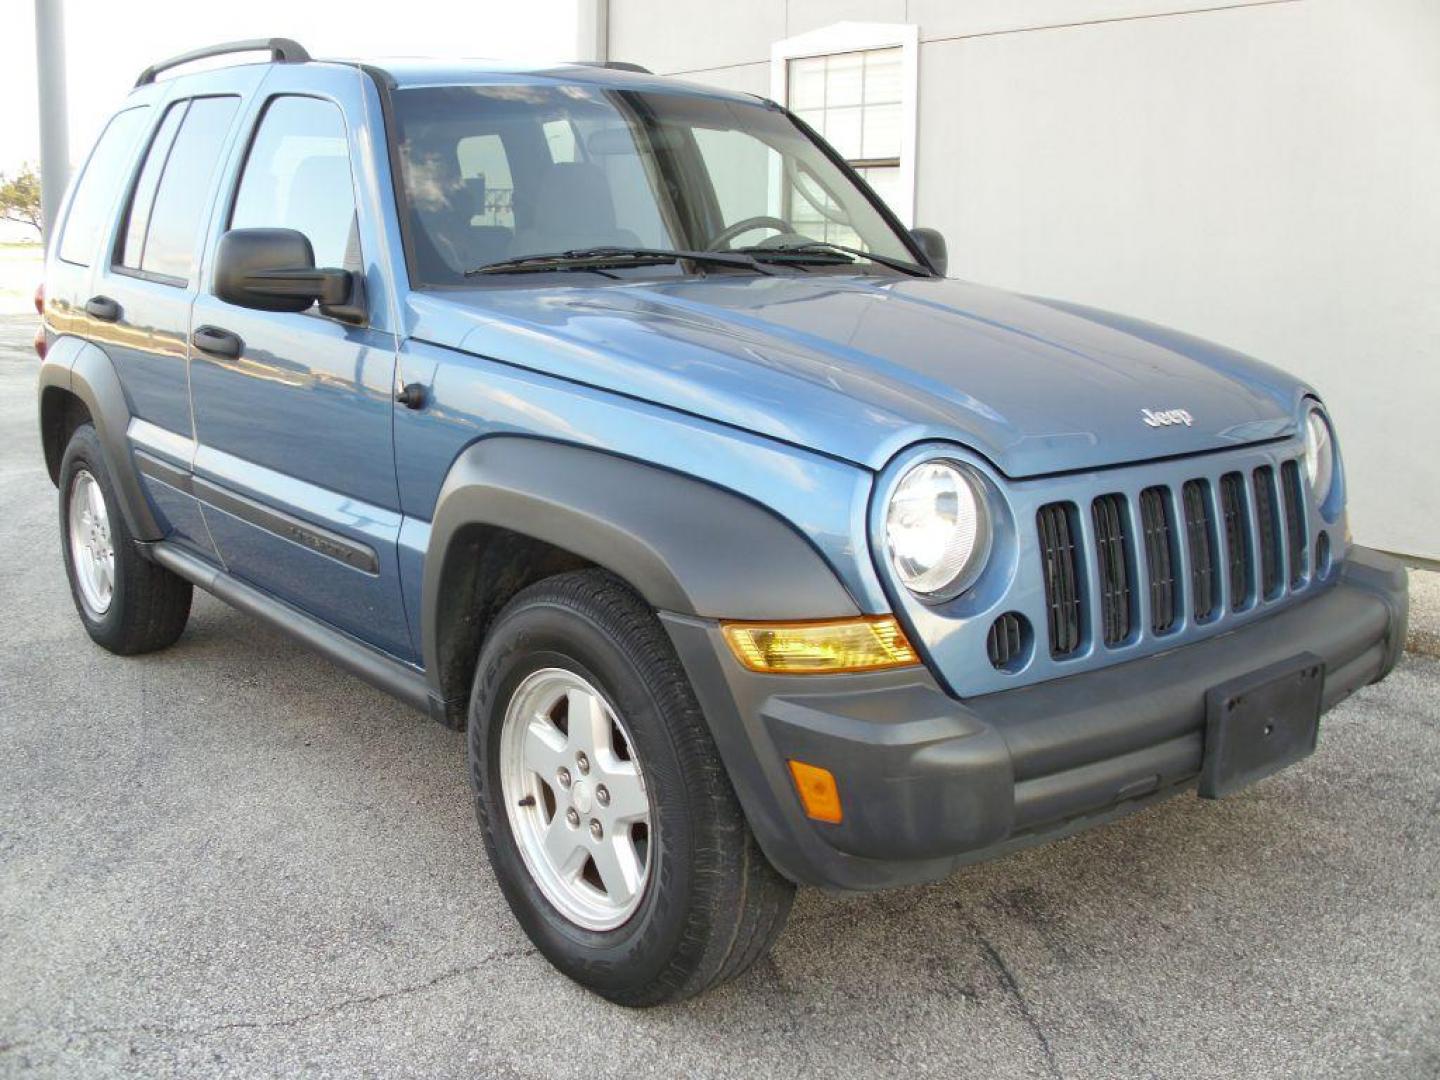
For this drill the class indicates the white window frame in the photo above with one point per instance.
(847, 37)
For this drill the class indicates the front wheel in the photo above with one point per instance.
(609, 819)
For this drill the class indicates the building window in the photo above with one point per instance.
(856, 84)
(853, 99)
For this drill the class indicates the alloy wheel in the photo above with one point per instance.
(92, 547)
(576, 798)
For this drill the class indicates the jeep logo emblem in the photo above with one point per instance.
(1166, 417)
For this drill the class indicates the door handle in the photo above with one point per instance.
(411, 395)
(212, 339)
(102, 308)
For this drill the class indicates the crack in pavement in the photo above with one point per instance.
(279, 1022)
(1012, 988)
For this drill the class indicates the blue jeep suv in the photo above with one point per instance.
(615, 421)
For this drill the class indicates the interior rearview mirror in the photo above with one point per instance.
(274, 270)
(932, 246)
(612, 141)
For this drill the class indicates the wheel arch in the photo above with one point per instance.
(78, 383)
(514, 509)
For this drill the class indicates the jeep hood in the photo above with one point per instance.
(859, 367)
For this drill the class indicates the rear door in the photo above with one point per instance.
(146, 277)
(88, 215)
(295, 460)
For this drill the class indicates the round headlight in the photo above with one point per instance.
(937, 529)
(1319, 455)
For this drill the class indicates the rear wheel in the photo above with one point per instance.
(610, 822)
(128, 604)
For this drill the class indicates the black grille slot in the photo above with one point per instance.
(1200, 541)
(1060, 557)
(1159, 556)
(1294, 521)
(1267, 519)
(1237, 538)
(1006, 642)
(1112, 548)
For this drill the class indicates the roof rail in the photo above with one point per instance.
(618, 65)
(281, 50)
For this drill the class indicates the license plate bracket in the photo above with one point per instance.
(1259, 723)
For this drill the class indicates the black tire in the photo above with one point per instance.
(149, 605)
(713, 905)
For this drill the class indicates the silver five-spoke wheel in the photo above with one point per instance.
(576, 798)
(92, 549)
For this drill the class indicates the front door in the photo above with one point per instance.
(295, 459)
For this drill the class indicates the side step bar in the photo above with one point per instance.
(379, 670)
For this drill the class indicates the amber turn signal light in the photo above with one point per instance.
(818, 793)
(817, 648)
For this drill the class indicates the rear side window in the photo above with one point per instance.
(99, 184)
(297, 176)
(132, 240)
(170, 198)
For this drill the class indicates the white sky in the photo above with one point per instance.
(108, 42)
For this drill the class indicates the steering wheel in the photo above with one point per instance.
(721, 240)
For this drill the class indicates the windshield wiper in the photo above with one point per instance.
(598, 258)
(812, 248)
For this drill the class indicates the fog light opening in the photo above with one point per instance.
(1010, 642)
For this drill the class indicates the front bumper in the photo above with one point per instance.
(929, 783)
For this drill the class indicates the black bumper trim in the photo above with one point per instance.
(1064, 723)
(929, 783)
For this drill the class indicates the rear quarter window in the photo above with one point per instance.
(99, 185)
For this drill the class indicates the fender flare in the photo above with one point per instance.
(78, 367)
(687, 546)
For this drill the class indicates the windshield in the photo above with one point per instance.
(498, 173)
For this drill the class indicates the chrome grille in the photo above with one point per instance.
(1237, 535)
(1294, 521)
(1237, 539)
(1159, 557)
(1060, 555)
(1267, 519)
(1112, 549)
(1200, 542)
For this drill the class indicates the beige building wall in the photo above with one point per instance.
(1264, 174)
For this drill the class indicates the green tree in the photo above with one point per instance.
(20, 197)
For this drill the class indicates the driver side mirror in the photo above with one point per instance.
(274, 270)
(932, 246)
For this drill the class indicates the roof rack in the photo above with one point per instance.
(281, 50)
(618, 65)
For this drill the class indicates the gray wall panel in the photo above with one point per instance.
(803, 16)
(670, 36)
